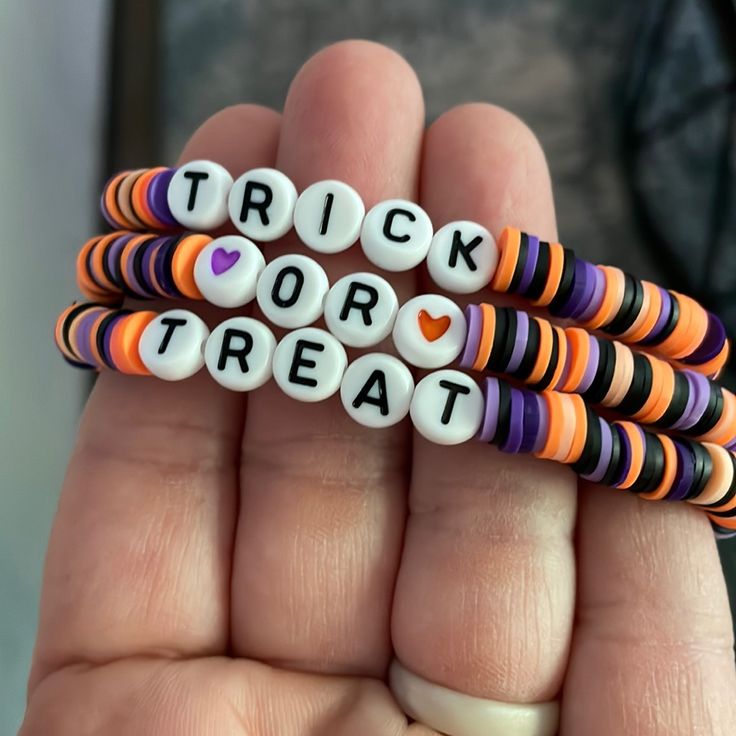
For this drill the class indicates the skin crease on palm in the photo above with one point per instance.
(226, 567)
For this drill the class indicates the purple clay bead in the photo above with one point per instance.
(163, 277)
(683, 474)
(490, 418)
(689, 406)
(520, 341)
(605, 455)
(543, 427)
(516, 423)
(579, 284)
(82, 342)
(700, 390)
(590, 369)
(530, 265)
(565, 371)
(597, 294)
(107, 339)
(112, 257)
(531, 420)
(625, 454)
(713, 342)
(723, 533)
(474, 318)
(103, 207)
(661, 319)
(157, 198)
(130, 277)
(152, 267)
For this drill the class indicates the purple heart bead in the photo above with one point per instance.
(223, 260)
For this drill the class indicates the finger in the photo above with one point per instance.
(653, 646)
(485, 591)
(139, 557)
(322, 504)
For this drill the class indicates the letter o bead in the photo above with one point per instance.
(261, 204)
(447, 407)
(197, 195)
(239, 353)
(291, 291)
(396, 235)
(360, 309)
(328, 216)
(171, 345)
(308, 364)
(462, 257)
(376, 390)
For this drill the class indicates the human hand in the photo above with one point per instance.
(223, 568)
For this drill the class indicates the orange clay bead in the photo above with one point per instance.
(182, 264)
(637, 453)
(508, 245)
(486, 336)
(670, 470)
(139, 196)
(554, 274)
(581, 429)
(579, 346)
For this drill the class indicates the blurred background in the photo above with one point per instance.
(634, 104)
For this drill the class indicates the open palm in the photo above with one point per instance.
(223, 565)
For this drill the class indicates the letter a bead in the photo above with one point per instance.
(171, 345)
(376, 390)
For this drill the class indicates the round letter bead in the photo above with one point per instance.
(171, 345)
(291, 291)
(430, 331)
(462, 257)
(360, 309)
(396, 235)
(328, 215)
(197, 195)
(308, 364)
(239, 353)
(261, 204)
(227, 269)
(447, 407)
(376, 390)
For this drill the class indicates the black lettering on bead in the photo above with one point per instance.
(377, 379)
(388, 223)
(171, 324)
(195, 177)
(261, 205)
(364, 307)
(296, 290)
(300, 361)
(326, 212)
(453, 390)
(463, 249)
(228, 350)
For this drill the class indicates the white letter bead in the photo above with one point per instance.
(396, 235)
(171, 345)
(328, 216)
(227, 269)
(463, 257)
(261, 204)
(308, 364)
(291, 291)
(430, 331)
(197, 195)
(376, 390)
(239, 353)
(447, 407)
(360, 309)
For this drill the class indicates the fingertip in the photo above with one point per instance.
(238, 137)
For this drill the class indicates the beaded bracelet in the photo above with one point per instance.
(566, 369)
(378, 390)
(396, 235)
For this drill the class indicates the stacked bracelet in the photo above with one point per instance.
(566, 370)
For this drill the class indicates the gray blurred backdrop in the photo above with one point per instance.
(633, 102)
